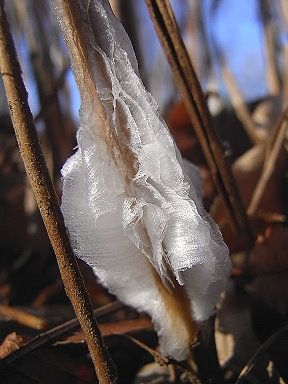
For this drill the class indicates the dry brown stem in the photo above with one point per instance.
(192, 95)
(47, 201)
(159, 358)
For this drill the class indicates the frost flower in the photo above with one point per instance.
(129, 201)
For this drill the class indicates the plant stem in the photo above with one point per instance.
(193, 97)
(48, 203)
(205, 354)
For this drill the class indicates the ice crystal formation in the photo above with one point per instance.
(130, 204)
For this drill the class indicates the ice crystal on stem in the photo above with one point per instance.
(129, 201)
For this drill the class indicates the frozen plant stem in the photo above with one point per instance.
(47, 201)
(192, 95)
(79, 49)
(131, 205)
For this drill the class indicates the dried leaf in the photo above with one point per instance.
(11, 343)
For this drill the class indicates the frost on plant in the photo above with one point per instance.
(131, 206)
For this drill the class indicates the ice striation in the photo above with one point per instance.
(132, 207)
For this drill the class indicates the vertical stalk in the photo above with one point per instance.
(205, 354)
(192, 95)
(47, 201)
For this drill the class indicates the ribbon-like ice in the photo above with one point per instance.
(129, 202)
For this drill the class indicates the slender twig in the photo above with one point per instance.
(192, 94)
(159, 357)
(273, 152)
(47, 201)
(56, 332)
(205, 354)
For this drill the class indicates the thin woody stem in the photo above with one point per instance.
(48, 203)
(193, 97)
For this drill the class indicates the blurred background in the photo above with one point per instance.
(239, 50)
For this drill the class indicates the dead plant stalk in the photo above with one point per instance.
(47, 201)
(193, 97)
